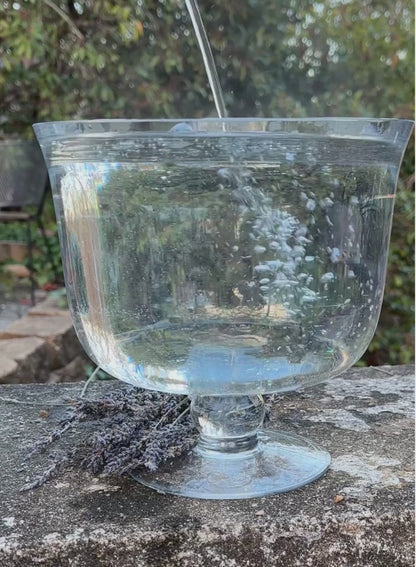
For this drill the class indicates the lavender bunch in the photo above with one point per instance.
(124, 431)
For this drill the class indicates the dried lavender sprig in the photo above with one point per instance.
(90, 380)
(59, 461)
(43, 443)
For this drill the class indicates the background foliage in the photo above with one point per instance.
(139, 58)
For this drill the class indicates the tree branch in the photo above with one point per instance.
(65, 17)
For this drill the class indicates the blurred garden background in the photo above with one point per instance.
(62, 60)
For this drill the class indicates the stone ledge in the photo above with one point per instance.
(8, 367)
(28, 353)
(360, 514)
(39, 326)
(41, 347)
(48, 308)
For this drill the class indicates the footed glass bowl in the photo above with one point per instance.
(225, 259)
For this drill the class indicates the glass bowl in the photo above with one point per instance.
(225, 259)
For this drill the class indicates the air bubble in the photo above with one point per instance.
(310, 205)
(181, 128)
(328, 277)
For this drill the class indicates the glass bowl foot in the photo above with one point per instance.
(278, 463)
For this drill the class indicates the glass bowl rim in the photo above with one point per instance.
(394, 130)
(228, 120)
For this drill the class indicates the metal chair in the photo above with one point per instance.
(23, 186)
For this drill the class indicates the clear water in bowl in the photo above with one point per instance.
(225, 265)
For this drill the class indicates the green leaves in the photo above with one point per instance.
(104, 58)
(286, 59)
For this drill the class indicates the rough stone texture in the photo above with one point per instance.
(44, 327)
(10, 312)
(74, 371)
(360, 514)
(48, 312)
(20, 349)
(48, 308)
(29, 354)
(40, 344)
(64, 348)
(7, 367)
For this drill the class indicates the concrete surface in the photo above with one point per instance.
(360, 514)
